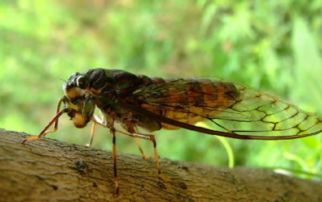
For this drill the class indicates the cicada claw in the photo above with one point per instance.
(30, 138)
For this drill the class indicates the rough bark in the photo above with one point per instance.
(49, 170)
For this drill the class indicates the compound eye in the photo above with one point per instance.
(71, 113)
(81, 82)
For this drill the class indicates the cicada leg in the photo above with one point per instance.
(93, 131)
(156, 155)
(150, 138)
(110, 125)
(97, 120)
(137, 142)
(116, 182)
(54, 121)
(131, 134)
(44, 132)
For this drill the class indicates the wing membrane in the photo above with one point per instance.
(237, 111)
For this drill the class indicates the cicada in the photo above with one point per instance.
(138, 102)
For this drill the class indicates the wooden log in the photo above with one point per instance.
(48, 170)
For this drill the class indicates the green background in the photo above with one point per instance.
(273, 46)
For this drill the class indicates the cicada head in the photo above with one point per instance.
(80, 104)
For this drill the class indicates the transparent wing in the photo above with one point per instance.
(266, 115)
(239, 110)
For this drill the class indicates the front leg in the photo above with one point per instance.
(45, 131)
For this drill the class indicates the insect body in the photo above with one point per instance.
(112, 91)
(137, 101)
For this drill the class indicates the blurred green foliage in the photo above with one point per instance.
(269, 45)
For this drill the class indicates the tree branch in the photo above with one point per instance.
(50, 170)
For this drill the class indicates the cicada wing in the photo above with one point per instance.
(261, 114)
(233, 110)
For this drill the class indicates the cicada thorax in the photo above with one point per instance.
(111, 87)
